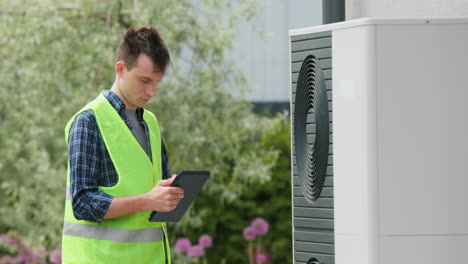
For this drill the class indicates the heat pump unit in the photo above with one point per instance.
(379, 111)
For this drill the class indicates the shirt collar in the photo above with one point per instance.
(118, 105)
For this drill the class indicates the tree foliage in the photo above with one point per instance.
(270, 201)
(58, 55)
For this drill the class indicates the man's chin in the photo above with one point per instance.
(142, 103)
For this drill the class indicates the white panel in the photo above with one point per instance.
(348, 249)
(378, 21)
(405, 8)
(354, 140)
(423, 128)
(423, 250)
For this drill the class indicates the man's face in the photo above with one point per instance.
(139, 84)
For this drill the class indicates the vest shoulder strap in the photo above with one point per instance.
(90, 106)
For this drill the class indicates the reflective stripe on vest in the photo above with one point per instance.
(68, 194)
(112, 233)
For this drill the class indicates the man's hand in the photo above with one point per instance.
(163, 197)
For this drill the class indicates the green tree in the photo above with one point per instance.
(57, 55)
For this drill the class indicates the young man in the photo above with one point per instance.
(118, 165)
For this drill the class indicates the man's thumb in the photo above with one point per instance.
(167, 182)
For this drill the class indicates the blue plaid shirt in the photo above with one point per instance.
(91, 165)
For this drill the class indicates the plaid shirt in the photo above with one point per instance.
(91, 165)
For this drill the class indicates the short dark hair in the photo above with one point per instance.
(146, 40)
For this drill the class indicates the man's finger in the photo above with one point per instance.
(177, 190)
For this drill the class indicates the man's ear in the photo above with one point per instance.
(120, 68)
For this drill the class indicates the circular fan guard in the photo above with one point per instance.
(311, 109)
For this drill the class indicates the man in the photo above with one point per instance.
(117, 162)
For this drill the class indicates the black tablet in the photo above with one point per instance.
(192, 182)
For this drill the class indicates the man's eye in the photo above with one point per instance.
(144, 81)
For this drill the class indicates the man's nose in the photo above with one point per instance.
(151, 92)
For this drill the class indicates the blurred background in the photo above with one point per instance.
(222, 106)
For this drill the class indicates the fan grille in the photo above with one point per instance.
(311, 128)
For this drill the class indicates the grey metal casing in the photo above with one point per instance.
(313, 226)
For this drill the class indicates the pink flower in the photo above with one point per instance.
(205, 241)
(183, 245)
(260, 226)
(13, 240)
(56, 256)
(249, 233)
(195, 251)
(27, 257)
(260, 258)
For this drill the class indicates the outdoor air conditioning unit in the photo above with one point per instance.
(379, 113)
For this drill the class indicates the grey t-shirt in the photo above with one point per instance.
(138, 130)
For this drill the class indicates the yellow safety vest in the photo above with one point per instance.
(126, 239)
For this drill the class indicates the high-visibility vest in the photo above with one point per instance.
(130, 238)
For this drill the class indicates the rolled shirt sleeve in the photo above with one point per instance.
(84, 143)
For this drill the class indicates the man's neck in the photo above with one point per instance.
(115, 88)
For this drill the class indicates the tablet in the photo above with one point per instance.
(192, 182)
